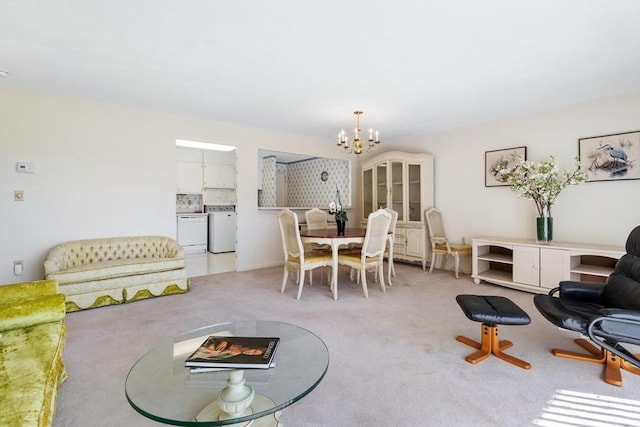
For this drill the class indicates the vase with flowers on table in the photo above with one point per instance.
(341, 216)
(335, 208)
(541, 182)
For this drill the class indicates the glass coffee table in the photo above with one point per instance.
(161, 388)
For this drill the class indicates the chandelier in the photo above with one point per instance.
(358, 145)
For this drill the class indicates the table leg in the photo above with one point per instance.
(334, 269)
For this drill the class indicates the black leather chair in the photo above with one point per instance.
(608, 314)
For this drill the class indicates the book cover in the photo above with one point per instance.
(234, 352)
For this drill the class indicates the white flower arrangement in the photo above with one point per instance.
(336, 208)
(541, 182)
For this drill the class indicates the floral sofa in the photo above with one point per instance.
(98, 272)
(32, 338)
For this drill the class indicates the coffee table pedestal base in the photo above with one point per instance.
(212, 412)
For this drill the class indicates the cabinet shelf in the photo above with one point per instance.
(498, 276)
(501, 258)
(592, 270)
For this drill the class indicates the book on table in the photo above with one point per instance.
(202, 369)
(234, 353)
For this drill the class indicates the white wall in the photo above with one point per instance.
(593, 212)
(105, 170)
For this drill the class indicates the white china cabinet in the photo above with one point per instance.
(402, 182)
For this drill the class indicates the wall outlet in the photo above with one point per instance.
(18, 267)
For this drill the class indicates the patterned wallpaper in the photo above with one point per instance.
(305, 188)
(267, 197)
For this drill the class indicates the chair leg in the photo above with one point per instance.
(392, 267)
(382, 285)
(433, 261)
(301, 283)
(284, 278)
(457, 261)
(596, 355)
(613, 363)
(491, 345)
(363, 278)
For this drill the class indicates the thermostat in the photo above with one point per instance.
(26, 167)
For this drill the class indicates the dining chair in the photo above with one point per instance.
(317, 219)
(294, 253)
(440, 244)
(390, 239)
(371, 255)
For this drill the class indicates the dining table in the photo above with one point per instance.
(330, 236)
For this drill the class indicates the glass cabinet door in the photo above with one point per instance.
(381, 186)
(397, 190)
(367, 192)
(415, 202)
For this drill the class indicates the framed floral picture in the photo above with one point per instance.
(611, 157)
(498, 159)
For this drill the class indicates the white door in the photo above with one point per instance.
(224, 232)
(554, 267)
(415, 241)
(526, 265)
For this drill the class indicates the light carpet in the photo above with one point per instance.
(394, 360)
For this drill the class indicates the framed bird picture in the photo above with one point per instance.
(611, 157)
(500, 159)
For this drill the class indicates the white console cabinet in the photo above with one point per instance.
(533, 267)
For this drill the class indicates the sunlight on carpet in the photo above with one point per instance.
(571, 409)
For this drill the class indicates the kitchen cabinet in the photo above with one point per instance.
(188, 170)
(201, 170)
(219, 169)
(533, 267)
(219, 175)
(403, 182)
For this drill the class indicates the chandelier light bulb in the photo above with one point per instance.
(358, 147)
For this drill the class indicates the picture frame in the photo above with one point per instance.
(500, 158)
(610, 157)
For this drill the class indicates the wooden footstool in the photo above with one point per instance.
(492, 311)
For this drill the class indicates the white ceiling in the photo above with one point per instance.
(303, 67)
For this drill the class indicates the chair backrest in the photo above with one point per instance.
(375, 239)
(394, 220)
(316, 219)
(291, 242)
(435, 226)
(623, 285)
